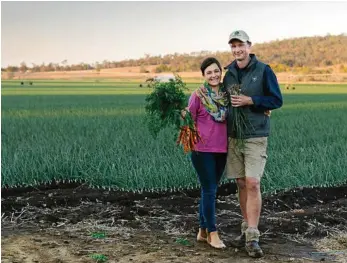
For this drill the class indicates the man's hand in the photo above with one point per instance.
(241, 100)
(267, 113)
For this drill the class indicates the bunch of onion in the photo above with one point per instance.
(239, 119)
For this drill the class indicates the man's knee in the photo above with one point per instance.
(252, 184)
(241, 183)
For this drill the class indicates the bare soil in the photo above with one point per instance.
(134, 74)
(74, 223)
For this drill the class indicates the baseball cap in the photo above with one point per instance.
(239, 35)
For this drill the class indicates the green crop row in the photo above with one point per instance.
(104, 140)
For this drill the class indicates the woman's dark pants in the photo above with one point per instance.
(210, 168)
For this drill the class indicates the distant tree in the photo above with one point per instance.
(10, 72)
(23, 67)
(147, 59)
(283, 55)
(64, 63)
(328, 62)
(97, 68)
(305, 70)
(105, 64)
(43, 67)
(34, 68)
(57, 67)
(162, 68)
(343, 69)
(50, 67)
(279, 67)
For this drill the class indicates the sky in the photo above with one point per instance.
(43, 32)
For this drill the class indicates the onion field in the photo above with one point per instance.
(97, 133)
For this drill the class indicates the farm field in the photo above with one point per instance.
(98, 134)
(81, 135)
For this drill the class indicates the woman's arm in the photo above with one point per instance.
(193, 105)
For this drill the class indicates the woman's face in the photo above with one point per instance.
(213, 75)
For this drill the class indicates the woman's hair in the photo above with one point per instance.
(208, 62)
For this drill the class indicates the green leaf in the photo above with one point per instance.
(183, 241)
(98, 235)
(99, 257)
(164, 105)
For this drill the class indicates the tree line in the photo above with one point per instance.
(295, 54)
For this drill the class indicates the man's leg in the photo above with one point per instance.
(253, 214)
(240, 240)
(235, 169)
(253, 199)
(242, 193)
(255, 160)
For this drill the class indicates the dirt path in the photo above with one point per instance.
(71, 223)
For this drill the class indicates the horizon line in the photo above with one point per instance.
(188, 52)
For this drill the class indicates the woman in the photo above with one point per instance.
(207, 106)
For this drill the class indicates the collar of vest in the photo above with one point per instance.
(232, 65)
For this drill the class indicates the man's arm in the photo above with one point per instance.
(272, 98)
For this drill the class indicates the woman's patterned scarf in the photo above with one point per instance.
(215, 104)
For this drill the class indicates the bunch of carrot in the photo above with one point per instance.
(188, 135)
(165, 107)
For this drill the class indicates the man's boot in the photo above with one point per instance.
(240, 241)
(252, 243)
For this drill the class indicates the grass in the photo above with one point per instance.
(99, 135)
(99, 258)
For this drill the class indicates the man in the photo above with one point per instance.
(260, 94)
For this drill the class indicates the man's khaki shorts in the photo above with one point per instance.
(248, 160)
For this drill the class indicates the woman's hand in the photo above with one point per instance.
(184, 112)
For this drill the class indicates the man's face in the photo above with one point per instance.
(240, 50)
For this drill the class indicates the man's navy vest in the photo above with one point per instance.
(251, 85)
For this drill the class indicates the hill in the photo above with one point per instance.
(305, 51)
(306, 56)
